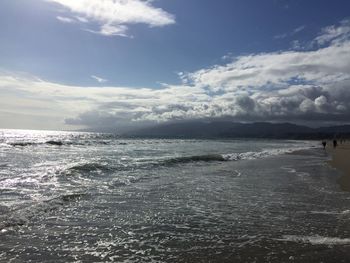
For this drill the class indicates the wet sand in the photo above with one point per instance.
(341, 161)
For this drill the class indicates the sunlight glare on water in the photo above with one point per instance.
(97, 197)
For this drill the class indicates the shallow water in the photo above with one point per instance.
(81, 197)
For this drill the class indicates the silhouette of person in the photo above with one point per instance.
(324, 143)
(335, 143)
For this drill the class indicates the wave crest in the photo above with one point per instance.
(196, 158)
(228, 157)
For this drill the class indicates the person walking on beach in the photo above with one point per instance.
(324, 143)
(335, 143)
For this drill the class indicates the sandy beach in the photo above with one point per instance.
(341, 161)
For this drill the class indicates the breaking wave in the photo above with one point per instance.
(24, 144)
(196, 158)
(259, 155)
(113, 165)
(89, 167)
(230, 156)
(61, 143)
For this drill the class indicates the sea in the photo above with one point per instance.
(94, 197)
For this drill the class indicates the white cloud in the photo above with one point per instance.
(99, 79)
(298, 29)
(277, 69)
(109, 30)
(65, 19)
(294, 32)
(23, 96)
(311, 85)
(114, 16)
(82, 19)
(334, 34)
(281, 36)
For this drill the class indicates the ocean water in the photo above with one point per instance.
(87, 197)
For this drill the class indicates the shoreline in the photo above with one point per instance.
(341, 161)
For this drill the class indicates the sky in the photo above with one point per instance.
(92, 64)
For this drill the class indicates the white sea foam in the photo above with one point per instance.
(261, 154)
(340, 213)
(316, 240)
(325, 212)
(289, 169)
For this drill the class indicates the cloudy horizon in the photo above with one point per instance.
(299, 75)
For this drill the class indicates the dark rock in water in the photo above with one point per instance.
(58, 143)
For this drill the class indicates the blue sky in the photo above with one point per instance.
(174, 47)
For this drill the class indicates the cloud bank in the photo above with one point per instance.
(114, 16)
(310, 85)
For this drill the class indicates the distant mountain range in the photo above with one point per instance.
(226, 129)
